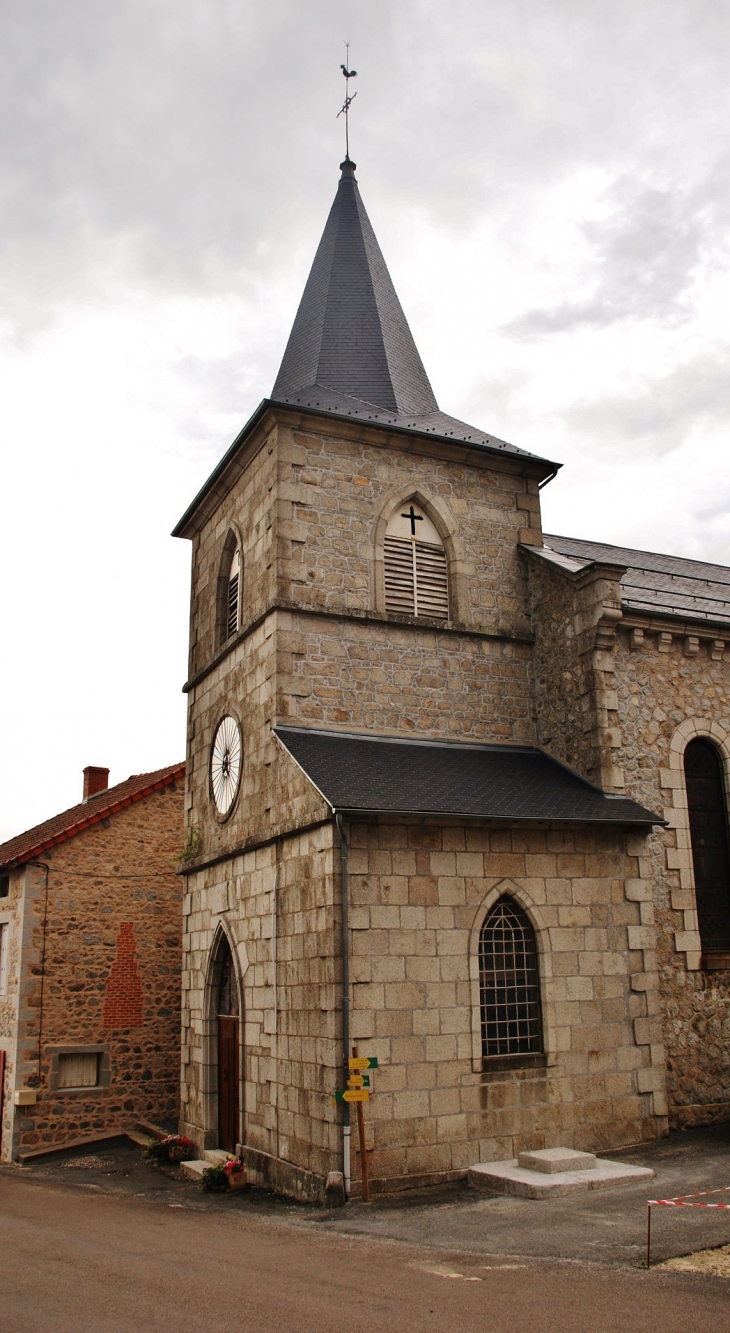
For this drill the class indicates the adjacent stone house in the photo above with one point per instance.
(90, 965)
(436, 784)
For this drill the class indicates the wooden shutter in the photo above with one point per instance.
(432, 585)
(416, 578)
(400, 578)
(232, 623)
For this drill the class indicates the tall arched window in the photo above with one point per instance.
(509, 985)
(233, 599)
(707, 805)
(416, 577)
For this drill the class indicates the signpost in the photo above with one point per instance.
(358, 1091)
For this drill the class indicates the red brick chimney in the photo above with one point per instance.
(95, 780)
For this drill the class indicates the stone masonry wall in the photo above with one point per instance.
(335, 482)
(111, 976)
(276, 907)
(419, 895)
(12, 910)
(574, 619)
(273, 793)
(396, 678)
(665, 681)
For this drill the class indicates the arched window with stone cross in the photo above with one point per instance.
(416, 573)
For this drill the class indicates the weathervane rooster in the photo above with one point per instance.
(349, 74)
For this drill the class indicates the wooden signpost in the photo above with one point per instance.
(358, 1091)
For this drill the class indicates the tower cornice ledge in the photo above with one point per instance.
(416, 623)
(376, 433)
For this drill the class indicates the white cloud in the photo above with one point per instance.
(549, 184)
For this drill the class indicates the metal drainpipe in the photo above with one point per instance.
(345, 1003)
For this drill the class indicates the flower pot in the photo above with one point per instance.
(178, 1153)
(237, 1181)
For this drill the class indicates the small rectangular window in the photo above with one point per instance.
(4, 940)
(78, 1071)
(4, 886)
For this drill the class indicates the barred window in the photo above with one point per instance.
(416, 576)
(509, 988)
(233, 603)
(707, 805)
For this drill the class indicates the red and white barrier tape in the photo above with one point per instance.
(681, 1200)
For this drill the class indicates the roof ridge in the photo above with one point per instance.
(634, 550)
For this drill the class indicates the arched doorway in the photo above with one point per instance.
(228, 1046)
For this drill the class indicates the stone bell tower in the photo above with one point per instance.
(360, 676)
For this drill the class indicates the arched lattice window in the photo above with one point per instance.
(233, 596)
(707, 805)
(416, 576)
(509, 987)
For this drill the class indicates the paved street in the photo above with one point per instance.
(76, 1260)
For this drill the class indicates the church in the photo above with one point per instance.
(456, 790)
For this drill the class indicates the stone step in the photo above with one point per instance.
(194, 1170)
(214, 1156)
(511, 1177)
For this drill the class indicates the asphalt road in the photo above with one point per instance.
(73, 1261)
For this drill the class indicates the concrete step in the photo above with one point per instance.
(152, 1130)
(214, 1156)
(141, 1139)
(194, 1170)
(510, 1177)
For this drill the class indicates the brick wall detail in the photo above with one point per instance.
(123, 1004)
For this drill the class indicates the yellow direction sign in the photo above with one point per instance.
(353, 1095)
(358, 1081)
(362, 1062)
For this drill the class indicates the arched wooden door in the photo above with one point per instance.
(228, 1046)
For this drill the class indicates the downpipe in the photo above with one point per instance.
(345, 1002)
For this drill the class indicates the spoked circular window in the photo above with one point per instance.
(225, 764)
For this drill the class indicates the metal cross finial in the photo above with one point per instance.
(349, 74)
(414, 518)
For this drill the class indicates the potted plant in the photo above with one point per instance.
(171, 1148)
(230, 1174)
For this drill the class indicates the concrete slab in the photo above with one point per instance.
(551, 1160)
(511, 1178)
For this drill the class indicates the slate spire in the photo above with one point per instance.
(350, 335)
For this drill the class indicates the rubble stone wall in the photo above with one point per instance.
(113, 899)
(662, 688)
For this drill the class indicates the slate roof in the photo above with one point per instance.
(350, 350)
(400, 776)
(658, 584)
(66, 825)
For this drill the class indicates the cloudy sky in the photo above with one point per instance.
(550, 184)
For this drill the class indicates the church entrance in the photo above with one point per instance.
(228, 1046)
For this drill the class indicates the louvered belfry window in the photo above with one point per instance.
(707, 805)
(233, 604)
(509, 988)
(416, 576)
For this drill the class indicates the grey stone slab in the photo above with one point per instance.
(194, 1170)
(511, 1178)
(552, 1160)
